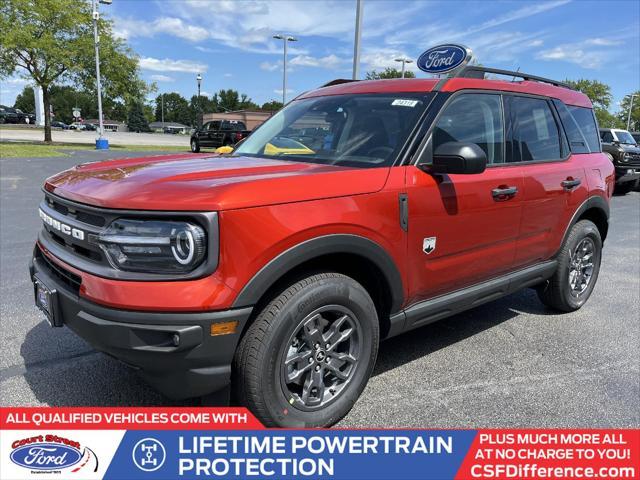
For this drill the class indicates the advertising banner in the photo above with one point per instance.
(168, 443)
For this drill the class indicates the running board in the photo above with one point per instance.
(429, 311)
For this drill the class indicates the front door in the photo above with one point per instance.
(463, 229)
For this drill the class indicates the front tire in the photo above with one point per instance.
(308, 355)
(578, 267)
(195, 146)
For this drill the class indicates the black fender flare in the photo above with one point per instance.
(596, 202)
(317, 247)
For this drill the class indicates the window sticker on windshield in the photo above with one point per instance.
(403, 102)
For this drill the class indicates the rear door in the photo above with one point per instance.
(553, 179)
(203, 133)
(214, 133)
(463, 229)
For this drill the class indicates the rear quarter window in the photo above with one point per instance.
(587, 123)
(577, 142)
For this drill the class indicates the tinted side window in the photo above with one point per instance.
(215, 125)
(577, 142)
(535, 132)
(587, 122)
(606, 136)
(473, 118)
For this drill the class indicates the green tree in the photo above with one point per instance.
(136, 121)
(25, 100)
(199, 106)
(635, 112)
(176, 108)
(272, 106)
(230, 100)
(51, 41)
(149, 113)
(64, 99)
(599, 93)
(388, 73)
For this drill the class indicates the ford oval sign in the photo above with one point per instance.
(444, 58)
(46, 456)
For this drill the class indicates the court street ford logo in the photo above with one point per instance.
(444, 58)
(45, 456)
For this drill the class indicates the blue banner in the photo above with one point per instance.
(338, 454)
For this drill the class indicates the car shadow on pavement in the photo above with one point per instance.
(438, 335)
(86, 377)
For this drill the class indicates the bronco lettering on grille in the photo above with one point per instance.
(61, 227)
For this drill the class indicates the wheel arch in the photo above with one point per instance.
(357, 257)
(595, 209)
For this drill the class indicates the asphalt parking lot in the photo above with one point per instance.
(511, 363)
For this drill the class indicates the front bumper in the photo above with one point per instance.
(624, 174)
(198, 364)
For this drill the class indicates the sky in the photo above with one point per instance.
(230, 42)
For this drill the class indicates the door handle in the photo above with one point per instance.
(503, 193)
(569, 183)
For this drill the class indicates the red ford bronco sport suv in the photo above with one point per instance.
(360, 211)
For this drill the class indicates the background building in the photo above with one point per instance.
(169, 127)
(250, 118)
(109, 125)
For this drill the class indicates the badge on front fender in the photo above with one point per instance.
(429, 245)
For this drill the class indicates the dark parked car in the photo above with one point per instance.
(24, 117)
(218, 133)
(90, 127)
(623, 150)
(61, 125)
(8, 115)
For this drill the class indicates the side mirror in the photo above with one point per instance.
(457, 157)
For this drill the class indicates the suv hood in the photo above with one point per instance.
(204, 183)
(630, 148)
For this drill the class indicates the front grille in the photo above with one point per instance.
(84, 218)
(76, 212)
(70, 279)
(633, 159)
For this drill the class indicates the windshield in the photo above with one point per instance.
(349, 130)
(625, 137)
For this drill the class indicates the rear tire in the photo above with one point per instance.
(195, 146)
(577, 272)
(308, 355)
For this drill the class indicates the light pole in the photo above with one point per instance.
(356, 42)
(403, 60)
(101, 143)
(162, 110)
(630, 110)
(199, 80)
(285, 39)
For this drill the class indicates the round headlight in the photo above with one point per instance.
(188, 244)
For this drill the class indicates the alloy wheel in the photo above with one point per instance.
(320, 358)
(581, 266)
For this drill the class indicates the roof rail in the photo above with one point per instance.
(476, 71)
(337, 81)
